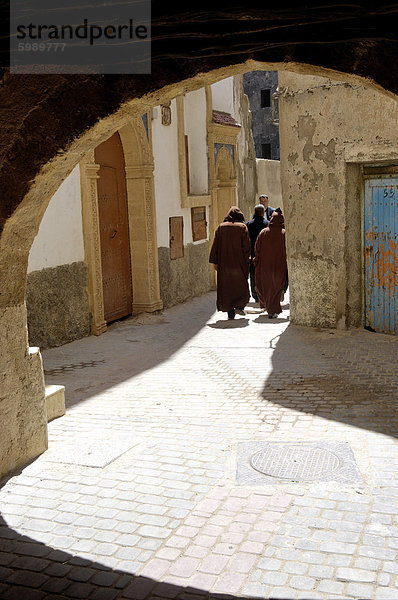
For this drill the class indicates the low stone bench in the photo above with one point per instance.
(55, 401)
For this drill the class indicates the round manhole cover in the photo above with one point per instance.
(297, 463)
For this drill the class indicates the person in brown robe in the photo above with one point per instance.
(230, 254)
(271, 265)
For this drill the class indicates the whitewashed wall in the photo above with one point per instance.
(166, 175)
(166, 172)
(60, 237)
(223, 95)
(196, 130)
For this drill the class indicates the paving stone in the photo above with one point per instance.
(228, 583)
(156, 568)
(256, 590)
(274, 578)
(331, 587)
(358, 575)
(302, 583)
(269, 564)
(82, 574)
(242, 562)
(27, 579)
(185, 567)
(56, 585)
(359, 590)
(384, 593)
(196, 551)
(295, 568)
(214, 564)
(374, 552)
(383, 579)
(390, 567)
(105, 594)
(337, 547)
(321, 571)
(19, 593)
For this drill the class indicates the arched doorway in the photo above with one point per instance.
(140, 250)
(114, 229)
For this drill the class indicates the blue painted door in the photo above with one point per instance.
(380, 254)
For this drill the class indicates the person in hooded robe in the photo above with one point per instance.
(254, 226)
(230, 254)
(271, 265)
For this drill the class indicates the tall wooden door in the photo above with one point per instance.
(381, 254)
(114, 230)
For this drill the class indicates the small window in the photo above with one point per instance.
(265, 98)
(265, 150)
(176, 227)
(199, 225)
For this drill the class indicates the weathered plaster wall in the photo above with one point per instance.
(328, 130)
(269, 181)
(23, 431)
(246, 156)
(57, 305)
(186, 277)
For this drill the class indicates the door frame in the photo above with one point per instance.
(141, 207)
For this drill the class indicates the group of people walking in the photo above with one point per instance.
(256, 248)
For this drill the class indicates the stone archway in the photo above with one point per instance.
(36, 158)
(142, 224)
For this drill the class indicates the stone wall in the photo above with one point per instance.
(23, 431)
(183, 278)
(57, 305)
(328, 130)
(264, 130)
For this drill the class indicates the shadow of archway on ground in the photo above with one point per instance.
(342, 376)
(31, 570)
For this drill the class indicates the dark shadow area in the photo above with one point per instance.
(31, 570)
(229, 324)
(265, 319)
(122, 351)
(345, 376)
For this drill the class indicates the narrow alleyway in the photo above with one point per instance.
(149, 491)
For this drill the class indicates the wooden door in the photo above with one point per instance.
(381, 254)
(176, 228)
(114, 230)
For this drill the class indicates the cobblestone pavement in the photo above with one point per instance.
(138, 498)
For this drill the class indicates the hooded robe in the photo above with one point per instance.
(271, 265)
(231, 253)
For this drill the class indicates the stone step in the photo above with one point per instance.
(55, 401)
